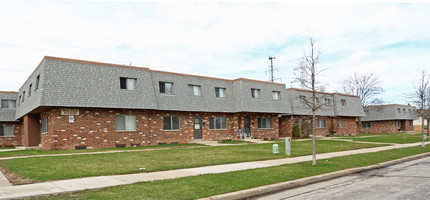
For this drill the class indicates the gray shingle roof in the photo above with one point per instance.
(389, 112)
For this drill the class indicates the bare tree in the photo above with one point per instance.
(367, 86)
(306, 73)
(420, 98)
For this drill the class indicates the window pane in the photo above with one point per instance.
(223, 123)
(168, 87)
(175, 123)
(217, 123)
(217, 92)
(197, 90)
(269, 122)
(12, 104)
(4, 104)
(130, 122)
(29, 90)
(123, 83)
(222, 92)
(119, 122)
(162, 87)
(211, 123)
(45, 125)
(131, 84)
(259, 122)
(37, 83)
(1, 131)
(8, 130)
(167, 123)
(190, 90)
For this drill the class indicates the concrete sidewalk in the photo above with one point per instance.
(53, 187)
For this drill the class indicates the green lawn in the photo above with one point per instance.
(212, 184)
(31, 152)
(399, 138)
(66, 167)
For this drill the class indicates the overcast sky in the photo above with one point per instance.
(220, 39)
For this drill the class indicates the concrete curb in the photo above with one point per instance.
(308, 180)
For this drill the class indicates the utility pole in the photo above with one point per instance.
(272, 70)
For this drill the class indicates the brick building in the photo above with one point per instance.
(68, 103)
(82, 104)
(391, 118)
(337, 113)
(10, 128)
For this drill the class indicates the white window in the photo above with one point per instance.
(166, 87)
(125, 122)
(264, 122)
(339, 123)
(7, 103)
(194, 90)
(397, 124)
(217, 123)
(127, 83)
(343, 102)
(6, 131)
(365, 125)
(220, 92)
(255, 93)
(276, 95)
(171, 123)
(327, 102)
(29, 90)
(321, 123)
(45, 125)
(37, 83)
(302, 99)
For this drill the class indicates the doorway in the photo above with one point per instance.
(197, 128)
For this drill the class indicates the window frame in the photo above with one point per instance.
(125, 117)
(255, 93)
(218, 93)
(172, 128)
(3, 130)
(321, 120)
(278, 94)
(366, 125)
(267, 122)
(127, 83)
(343, 102)
(302, 99)
(164, 86)
(9, 103)
(327, 101)
(222, 123)
(191, 90)
(340, 123)
(36, 86)
(29, 90)
(45, 125)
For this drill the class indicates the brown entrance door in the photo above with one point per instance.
(197, 128)
(247, 125)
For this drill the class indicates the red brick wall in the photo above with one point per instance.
(95, 128)
(349, 126)
(16, 140)
(388, 126)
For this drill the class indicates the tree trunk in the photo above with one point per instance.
(428, 121)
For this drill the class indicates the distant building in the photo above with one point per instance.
(336, 116)
(418, 125)
(391, 118)
(10, 128)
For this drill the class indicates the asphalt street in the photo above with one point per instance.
(408, 180)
